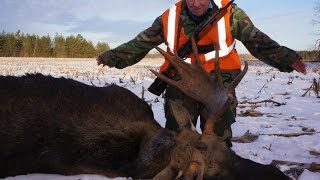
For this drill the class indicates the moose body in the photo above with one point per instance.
(58, 125)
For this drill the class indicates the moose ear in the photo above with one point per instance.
(181, 115)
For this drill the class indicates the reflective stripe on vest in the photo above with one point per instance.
(224, 48)
(171, 27)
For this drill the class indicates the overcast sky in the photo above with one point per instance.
(289, 22)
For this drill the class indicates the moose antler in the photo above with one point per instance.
(198, 84)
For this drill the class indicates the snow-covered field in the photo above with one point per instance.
(271, 106)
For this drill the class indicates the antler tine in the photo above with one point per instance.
(166, 79)
(217, 68)
(175, 60)
(237, 80)
(195, 52)
(163, 53)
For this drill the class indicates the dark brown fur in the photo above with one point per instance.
(64, 126)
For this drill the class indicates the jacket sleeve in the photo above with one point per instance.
(136, 49)
(259, 44)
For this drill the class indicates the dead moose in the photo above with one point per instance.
(61, 126)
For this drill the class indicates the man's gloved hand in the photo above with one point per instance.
(99, 61)
(299, 66)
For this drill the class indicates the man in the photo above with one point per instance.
(175, 26)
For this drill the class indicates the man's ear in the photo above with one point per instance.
(181, 115)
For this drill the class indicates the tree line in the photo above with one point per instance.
(25, 45)
(313, 55)
(19, 44)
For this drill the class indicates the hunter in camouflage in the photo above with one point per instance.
(258, 44)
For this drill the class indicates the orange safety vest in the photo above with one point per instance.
(220, 32)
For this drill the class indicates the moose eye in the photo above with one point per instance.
(201, 146)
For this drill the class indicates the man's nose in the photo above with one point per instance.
(196, 3)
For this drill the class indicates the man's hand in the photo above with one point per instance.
(299, 66)
(99, 60)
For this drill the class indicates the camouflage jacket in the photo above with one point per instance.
(258, 44)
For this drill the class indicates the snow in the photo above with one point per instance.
(296, 114)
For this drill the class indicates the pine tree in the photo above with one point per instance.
(42, 46)
(89, 50)
(28, 42)
(18, 45)
(9, 45)
(2, 41)
(59, 46)
(102, 47)
(70, 46)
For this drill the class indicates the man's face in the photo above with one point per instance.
(197, 7)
